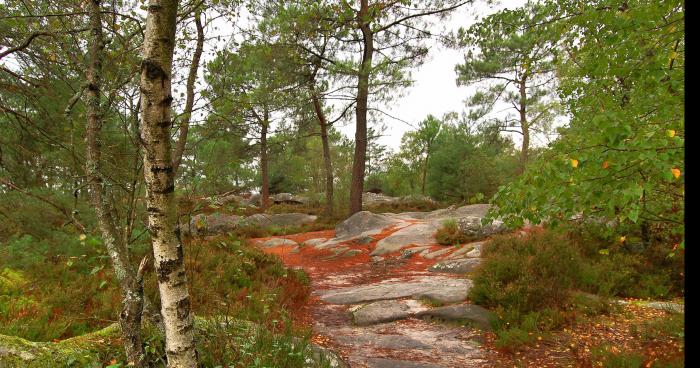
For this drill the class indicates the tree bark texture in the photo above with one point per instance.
(189, 91)
(524, 126)
(264, 172)
(358, 165)
(159, 174)
(131, 288)
(323, 124)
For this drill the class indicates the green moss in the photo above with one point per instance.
(89, 350)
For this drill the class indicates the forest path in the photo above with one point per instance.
(403, 308)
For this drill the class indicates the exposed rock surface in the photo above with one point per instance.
(363, 223)
(387, 311)
(221, 223)
(277, 242)
(475, 314)
(458, 266)
(441, 288)
(418, 234)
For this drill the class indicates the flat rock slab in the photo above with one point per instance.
(417, 234)
(387, 311)
(479, 316)
(442, 288)
(437, 253)
(278, 242)
(393, 363)
(458, 266)
(314, 242)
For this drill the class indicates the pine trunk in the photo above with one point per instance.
(156, 98)
(524, 126)
(264, 172)
(323, 123)
(358, 165)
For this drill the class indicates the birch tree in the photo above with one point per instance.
(159, 174)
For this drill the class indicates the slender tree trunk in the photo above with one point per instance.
(189, 90)
(131, 286)
(323, 123)
(425, 171)
(156, 98)
(524, 125)
(358, 165)
(265, 185)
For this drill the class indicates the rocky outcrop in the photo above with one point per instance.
(363, 223)
(418, 234)
(221, 223)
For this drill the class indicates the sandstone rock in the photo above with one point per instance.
(458, 266)
(280, 219)
(407, 253)
(467, 250)
(361, 224)
(278, 242)
(315, 242)
(443, 288)
(417, 234)
(479, 316)
(386, 311)
(213, 224)
(437, 253)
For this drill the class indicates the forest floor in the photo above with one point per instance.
(633, 335)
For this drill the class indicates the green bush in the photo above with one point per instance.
(527, 274)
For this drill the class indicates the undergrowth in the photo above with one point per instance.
(549, 279)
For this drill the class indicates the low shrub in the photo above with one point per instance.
(449, 234)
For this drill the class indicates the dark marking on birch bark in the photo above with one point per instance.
(183, 307)
(165, 268)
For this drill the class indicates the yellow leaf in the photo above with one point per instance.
(622, 239)
(82, 237)
(574, 162)
(676, 173)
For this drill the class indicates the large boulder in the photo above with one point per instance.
(471, 226)
(213, 224)
(363, 223)
(280, 219)
(417, 234)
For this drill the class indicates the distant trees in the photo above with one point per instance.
(513, 52)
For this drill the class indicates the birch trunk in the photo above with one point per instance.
(131, 286)
(156, 98)
(358, 165)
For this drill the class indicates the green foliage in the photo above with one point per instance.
(602, 356)
(449, 234)
(527, 274)
(622, 155)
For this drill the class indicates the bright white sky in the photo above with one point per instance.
(435, 89)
